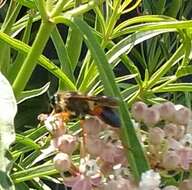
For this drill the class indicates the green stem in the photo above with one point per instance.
(31, 59)
(41, 7)
(58, 8)
(15, 67)
(6, 28)
(112, 21)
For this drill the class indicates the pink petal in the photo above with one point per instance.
(96, 180)
(82, 184)
(70, 181)
(185, 157)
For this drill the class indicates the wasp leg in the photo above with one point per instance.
(83, 142)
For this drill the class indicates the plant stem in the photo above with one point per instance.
(41, 7)
(58, 8)
(31, 59)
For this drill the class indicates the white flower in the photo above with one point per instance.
(187, 140)
(50, 123)
(150, 180)
(88, 166)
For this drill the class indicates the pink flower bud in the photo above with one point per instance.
(156, 135)
(92, 126)
(170, 130)
(186, 185)
(94, 145)
(185, 155)
(151, 116)
(62, 162)
(180, 132)
(65, 143)
(138, 109)
(171, 160)
(182, 116)
(167, 111)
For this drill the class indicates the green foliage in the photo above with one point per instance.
(153, 48)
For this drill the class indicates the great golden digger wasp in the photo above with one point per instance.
(75, 105)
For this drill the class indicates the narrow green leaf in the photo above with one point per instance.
(43, 61)
(135, 154)
(184, 71)
(65, 62)
(30, 173)
(177, 87)
(32, 93)
(28, 3)
(26, 141)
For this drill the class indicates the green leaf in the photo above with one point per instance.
(134, 151)
(8, 109)
(63, 55)
(32, 93)
(28, 3)
(125, 45)
(43, 61)
(26, 141)
(29, 174)
(177, 87)
(184, 71)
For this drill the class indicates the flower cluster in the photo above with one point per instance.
(168, 141)
(103, 164)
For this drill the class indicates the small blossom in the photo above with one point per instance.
(151, 116)
(173, 144)
(182, 115)
(156, 135)
(92, 126)
(170, 130)
(150, 180)
(118, 184)
(110, 136)
(82, 182)
(167, 111)
(185, 155)
(113, 154)
(65, 143)
(180, 132)
(55, 126)
(186, 185)
(62, 162)
(138, 109)
(88, 177)
(93, 145)
(171, 160)
(187, 140)
(88, 166)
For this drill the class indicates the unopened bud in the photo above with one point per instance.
(186, 185)
(167, 111)
(156, 135)
(170, 130)
(171, 160)
(62, 162)
(138, 109)
(151, 116)
(182, 116)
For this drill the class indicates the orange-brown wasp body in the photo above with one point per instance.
(78, 106)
